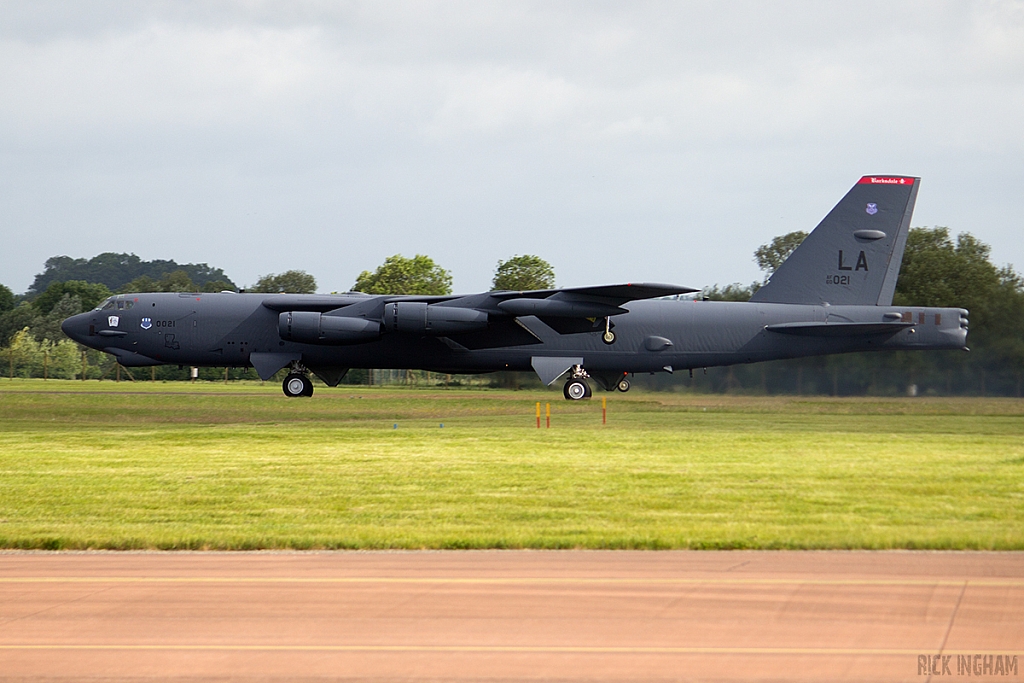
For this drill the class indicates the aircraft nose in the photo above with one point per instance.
(73, 327)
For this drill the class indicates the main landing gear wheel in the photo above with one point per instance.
(295, 385)
(623, 385)
(608, 337)
(577, 389)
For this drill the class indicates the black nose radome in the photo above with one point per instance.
(74, 327)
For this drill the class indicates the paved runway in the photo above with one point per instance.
(510, 615)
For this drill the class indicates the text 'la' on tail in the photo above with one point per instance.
(853, 257)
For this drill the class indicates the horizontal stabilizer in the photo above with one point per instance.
(837, 329)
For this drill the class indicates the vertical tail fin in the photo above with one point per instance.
(854, 255)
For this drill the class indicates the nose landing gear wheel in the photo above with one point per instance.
(295, 385)
(577, 390)
(623, 385)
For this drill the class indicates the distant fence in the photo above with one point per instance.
(950, 373)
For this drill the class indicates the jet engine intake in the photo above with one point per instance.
(310, 327)
(421, 318)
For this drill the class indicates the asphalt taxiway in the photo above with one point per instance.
(505, 615)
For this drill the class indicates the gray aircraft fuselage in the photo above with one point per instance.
(225, 329)
(832, 295)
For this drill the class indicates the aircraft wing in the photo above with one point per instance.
(581, 302)
(567, 302)
(579, 309)
(567, 310)
(611, 294)
(332, 302)
(311, 302)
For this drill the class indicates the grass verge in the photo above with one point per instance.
(131, 466)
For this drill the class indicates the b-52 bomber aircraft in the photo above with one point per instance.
(832, 295)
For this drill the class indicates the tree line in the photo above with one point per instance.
(938, 270)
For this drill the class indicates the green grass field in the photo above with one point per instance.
(155, 465)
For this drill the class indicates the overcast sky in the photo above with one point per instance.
(620, 141)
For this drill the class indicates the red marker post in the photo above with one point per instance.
(604, 410)
(547, 410)
(538, 414)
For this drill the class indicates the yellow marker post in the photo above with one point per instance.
(547, 410)
(538, 414)
(604, 410)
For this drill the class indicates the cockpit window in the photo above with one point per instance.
(114, 302)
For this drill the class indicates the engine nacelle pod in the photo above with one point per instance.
(420, 318)
(310, 327)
